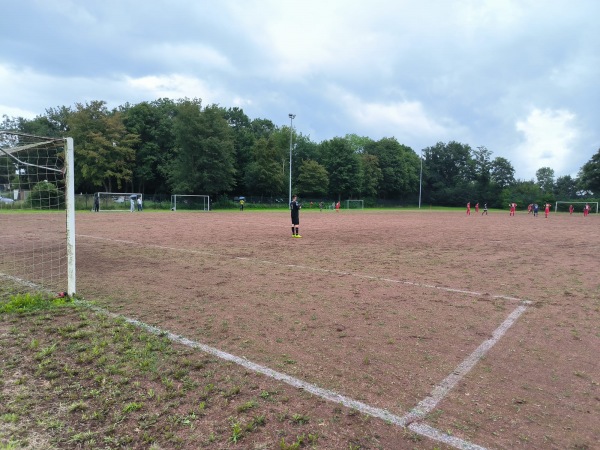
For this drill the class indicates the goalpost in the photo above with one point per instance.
(37, 211)
(355, 204)
(117, 201)
(190, 202)
(564, 206)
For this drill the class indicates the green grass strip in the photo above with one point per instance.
(21, 303)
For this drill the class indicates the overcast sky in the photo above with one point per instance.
(521, 78)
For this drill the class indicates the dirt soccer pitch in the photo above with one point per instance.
(416, 329)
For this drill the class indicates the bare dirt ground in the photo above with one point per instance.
(380, 307)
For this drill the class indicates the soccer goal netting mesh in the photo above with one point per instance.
(111, 201)
(37, 237)
(563, 206)
(181, 202)
(354, 204)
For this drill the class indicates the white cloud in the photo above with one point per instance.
(423, 72)
(186, 56)
(402, 118)
(549, 140)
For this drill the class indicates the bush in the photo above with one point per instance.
(45, 195)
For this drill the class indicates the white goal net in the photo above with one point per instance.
(37, 211)
(113, 201)
(563, 206)
(190, 202)
(355, 204)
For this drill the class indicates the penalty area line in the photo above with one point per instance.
(326, 394)
(314, 269)
(407, 421)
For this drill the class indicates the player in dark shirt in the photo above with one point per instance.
(295, 208)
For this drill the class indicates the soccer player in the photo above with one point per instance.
(477, 208)
(513, 207)
(586, 210)
(547, 210)
(484, 209)
(570, 210)
(535, 209)
(337, 207)
(468, 208)
(295, 208)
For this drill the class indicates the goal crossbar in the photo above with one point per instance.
(561, 202)
(355, 204)
(190, 202)
(116, 201)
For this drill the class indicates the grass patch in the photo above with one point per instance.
(22, 303)
(82, 379)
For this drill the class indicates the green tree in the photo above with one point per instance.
(153, 123)
(358, 143)
(203, 160)
(243, 140)
(313, 180)
(545, 179)
(343, 168)
(482, 166)
(104, 149)
(399, 167)
(371, 175)
(522, 193)
(447, 170)
(589, 175)
(45, 195)
(502, 172)
(565, 188)
(263, 174)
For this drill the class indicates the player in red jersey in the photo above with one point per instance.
(468, 208)
(547, 210)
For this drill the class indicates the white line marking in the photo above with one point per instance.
(408, 420)
(426, 405)
(313, 269)
(435, 434)
(295, 382)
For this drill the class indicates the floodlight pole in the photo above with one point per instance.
(421, 179)
(291, 116)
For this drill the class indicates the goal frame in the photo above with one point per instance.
(64, 151)
(125, 200)
(574, 203)
(357, 202)
(176, 197)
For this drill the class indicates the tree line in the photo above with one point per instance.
(182, 147)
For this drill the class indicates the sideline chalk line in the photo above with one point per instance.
(410, 420)
(312, 269)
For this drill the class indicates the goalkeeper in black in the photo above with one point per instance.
(295, 209)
